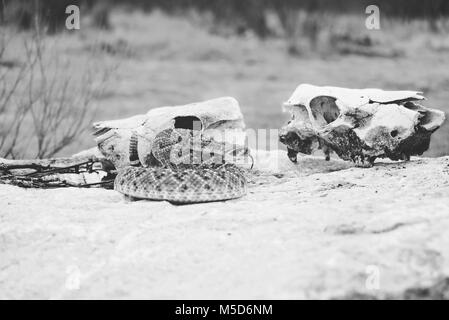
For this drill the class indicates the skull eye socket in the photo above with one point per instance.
(188, 122)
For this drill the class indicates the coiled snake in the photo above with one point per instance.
(185, 167)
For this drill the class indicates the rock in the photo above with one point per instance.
(314, 229)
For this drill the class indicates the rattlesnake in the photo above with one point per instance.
(185, 167)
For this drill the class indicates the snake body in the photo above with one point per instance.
(186, 167)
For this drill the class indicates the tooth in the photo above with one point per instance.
(292, 155)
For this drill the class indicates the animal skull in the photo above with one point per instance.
(220, 119)
(358, 124)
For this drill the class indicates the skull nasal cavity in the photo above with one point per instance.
(288, 137)
(188, 122)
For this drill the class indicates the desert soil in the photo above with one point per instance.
(314, 229)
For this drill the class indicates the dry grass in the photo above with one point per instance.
(166, 60)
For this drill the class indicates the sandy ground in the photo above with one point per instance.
(312, 230)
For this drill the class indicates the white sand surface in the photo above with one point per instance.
(314, 229)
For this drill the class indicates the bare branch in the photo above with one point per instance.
(47, 106)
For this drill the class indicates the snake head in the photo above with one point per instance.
(167, 138)
(178, 147)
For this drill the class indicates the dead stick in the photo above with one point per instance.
(45, 164)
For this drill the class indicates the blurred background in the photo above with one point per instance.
(131, 56)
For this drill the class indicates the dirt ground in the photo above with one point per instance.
(312, 230)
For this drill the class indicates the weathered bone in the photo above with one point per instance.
(212, 117)
(358, 124)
